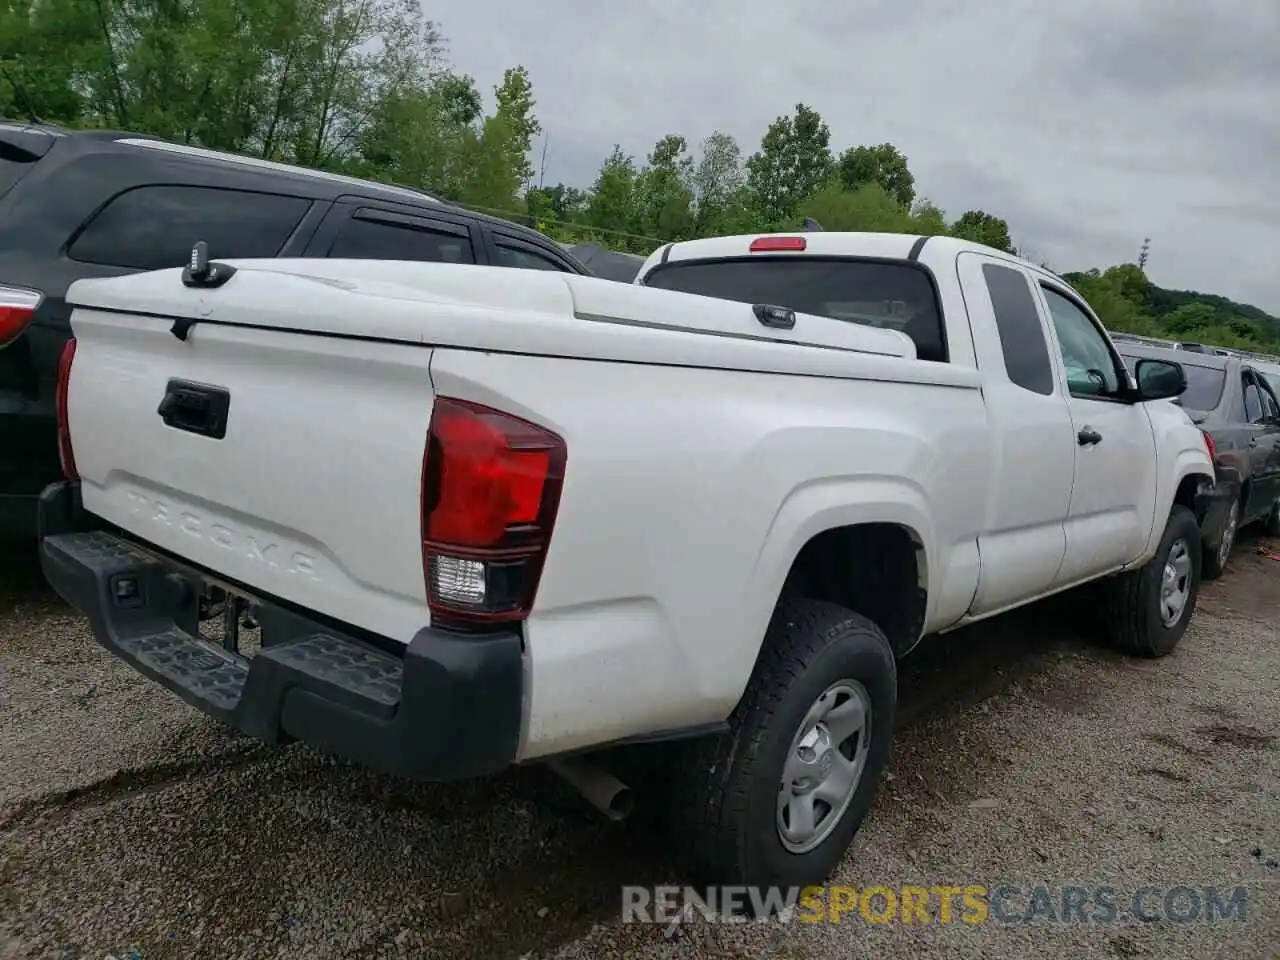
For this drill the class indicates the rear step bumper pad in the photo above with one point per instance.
(449, 709)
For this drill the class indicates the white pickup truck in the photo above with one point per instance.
(485, 517)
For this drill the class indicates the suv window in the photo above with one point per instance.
(1092, 369)
(1204, 384)
(1254, 408)
(1026, 354)
(893, 295)
(363, 238)
(509, 255)
(152, 228)
(1272, 380)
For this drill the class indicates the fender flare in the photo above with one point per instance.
(828, 504)
(1188, 463)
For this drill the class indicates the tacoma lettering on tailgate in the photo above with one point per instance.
(220, 534)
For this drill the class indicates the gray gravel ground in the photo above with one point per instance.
(129, 822)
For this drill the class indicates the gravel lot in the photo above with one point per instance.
(132, 826)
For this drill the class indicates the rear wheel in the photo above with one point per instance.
(1273, 520)
(777, 800)
(1216, 557)
(1148, 609)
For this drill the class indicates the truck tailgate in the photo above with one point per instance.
(311, 492)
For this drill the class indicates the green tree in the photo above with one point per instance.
(794, 162)
(983, 228)
(717, 182)
(927, 219)
(1189, 318)
(1106, 295)
(613, 208)
(883, 164)
(560, 202)
(868, 208)
(424, 137)
(43, 46)
(515, 109)
(663, 193)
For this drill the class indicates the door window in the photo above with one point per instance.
(1092, 368)
(364, 238)
(155, 227)
(525, 258)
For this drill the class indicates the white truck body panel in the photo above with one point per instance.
(329, 524)
(704, 451)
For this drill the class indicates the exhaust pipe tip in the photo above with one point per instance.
(623, 804)
(597, 786)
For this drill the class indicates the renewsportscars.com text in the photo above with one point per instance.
(912, 904)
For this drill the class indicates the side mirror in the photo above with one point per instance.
(1159, 379)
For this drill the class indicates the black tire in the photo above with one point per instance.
(1214, 563)
(1273, 520)
(1132, 614)
(725, 790)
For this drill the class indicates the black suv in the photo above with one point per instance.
(77, 204)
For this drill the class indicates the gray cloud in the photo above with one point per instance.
(1087, 126)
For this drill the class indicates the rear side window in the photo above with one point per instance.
(152, 228)
(896, 296)
(364, 239)
(1026, 353)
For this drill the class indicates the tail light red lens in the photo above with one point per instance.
(1213, 449)
(60, 406)
(490, 491)
(17, 308)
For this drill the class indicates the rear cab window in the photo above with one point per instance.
(892, 295)
(154, 227)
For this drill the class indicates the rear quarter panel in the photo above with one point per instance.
(688, 494)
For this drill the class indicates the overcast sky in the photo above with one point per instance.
(1087, 125)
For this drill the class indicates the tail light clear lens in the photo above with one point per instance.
(60, 404)
(17, 308)
(490, 491)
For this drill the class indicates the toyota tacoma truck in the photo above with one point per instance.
(487, 517)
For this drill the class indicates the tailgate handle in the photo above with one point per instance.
(780, 318)
(196, 408)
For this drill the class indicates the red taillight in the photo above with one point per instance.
(17, 307)
(490, 490)
(60, 406)
(1208, 442)
(774, 244)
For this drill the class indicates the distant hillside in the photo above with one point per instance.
(1126, 300)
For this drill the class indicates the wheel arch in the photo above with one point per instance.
(829, 525)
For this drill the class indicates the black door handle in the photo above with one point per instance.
(195, 408)
(1088, 437)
